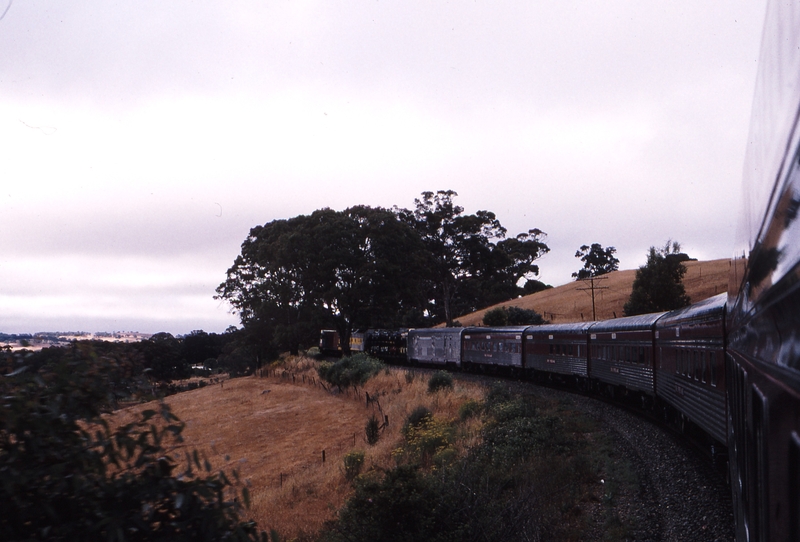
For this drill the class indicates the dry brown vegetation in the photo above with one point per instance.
(273, 429)
(572, 303)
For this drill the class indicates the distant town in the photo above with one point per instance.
(45, 339)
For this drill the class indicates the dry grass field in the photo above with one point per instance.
(273, 430)
(572, 303)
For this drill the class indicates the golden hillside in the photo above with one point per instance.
(573, 302)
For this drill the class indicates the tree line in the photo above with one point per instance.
(372, 267)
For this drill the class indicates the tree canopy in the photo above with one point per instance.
(368, 267)
(473, 265)
(350, 269)
(596, 261)
(658, 285)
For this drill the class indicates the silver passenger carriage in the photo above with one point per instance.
(437, 346)
(493, 346)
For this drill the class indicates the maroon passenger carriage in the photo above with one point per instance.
(622, 354)
(558, 351)
(763, 355)
(690, 365)
(493, 347)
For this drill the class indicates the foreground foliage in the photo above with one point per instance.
(67, 474)
(350, 370)
(532, 477)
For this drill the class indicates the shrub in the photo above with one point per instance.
(512, 316)
(314, 352)
(498, 393)
(431, 436)
(440, 380)
(495, 317)
(353, 461)
(349, 371)
(69, 475)
(469, 408)
(416, 418)
(372, 430)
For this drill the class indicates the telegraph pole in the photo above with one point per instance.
(592, 287)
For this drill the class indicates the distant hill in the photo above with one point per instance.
(569, 303)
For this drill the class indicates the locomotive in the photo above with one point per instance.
(729, 365)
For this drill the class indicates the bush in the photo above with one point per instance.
(349, 371)
(372, 430)
(512, 316)
(353, 462)
(68, 475)
(524, 479)
(431, 436)
(495, 317)
(416, 418)
(469, 408)
(439, 381)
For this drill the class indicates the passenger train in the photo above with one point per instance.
(729, 365)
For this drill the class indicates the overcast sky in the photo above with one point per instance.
(142, 140)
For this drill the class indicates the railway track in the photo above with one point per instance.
(683, 496)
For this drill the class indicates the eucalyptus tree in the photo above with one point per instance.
(354, 268)
(472, 263)
(596, 261)
(658, 285)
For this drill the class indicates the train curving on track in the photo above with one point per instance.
(729, 365)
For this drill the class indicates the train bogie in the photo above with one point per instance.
(437, 346)
(622, 352)
(495, 347)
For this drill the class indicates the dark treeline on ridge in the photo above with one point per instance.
(370, 267)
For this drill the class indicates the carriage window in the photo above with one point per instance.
(712, 362)
(677, 362)
(696, 365)
(703, 367)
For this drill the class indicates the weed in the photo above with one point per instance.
(372, 430)
(353, 462)
(469, 408)
(417, 417)
(440, 380)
